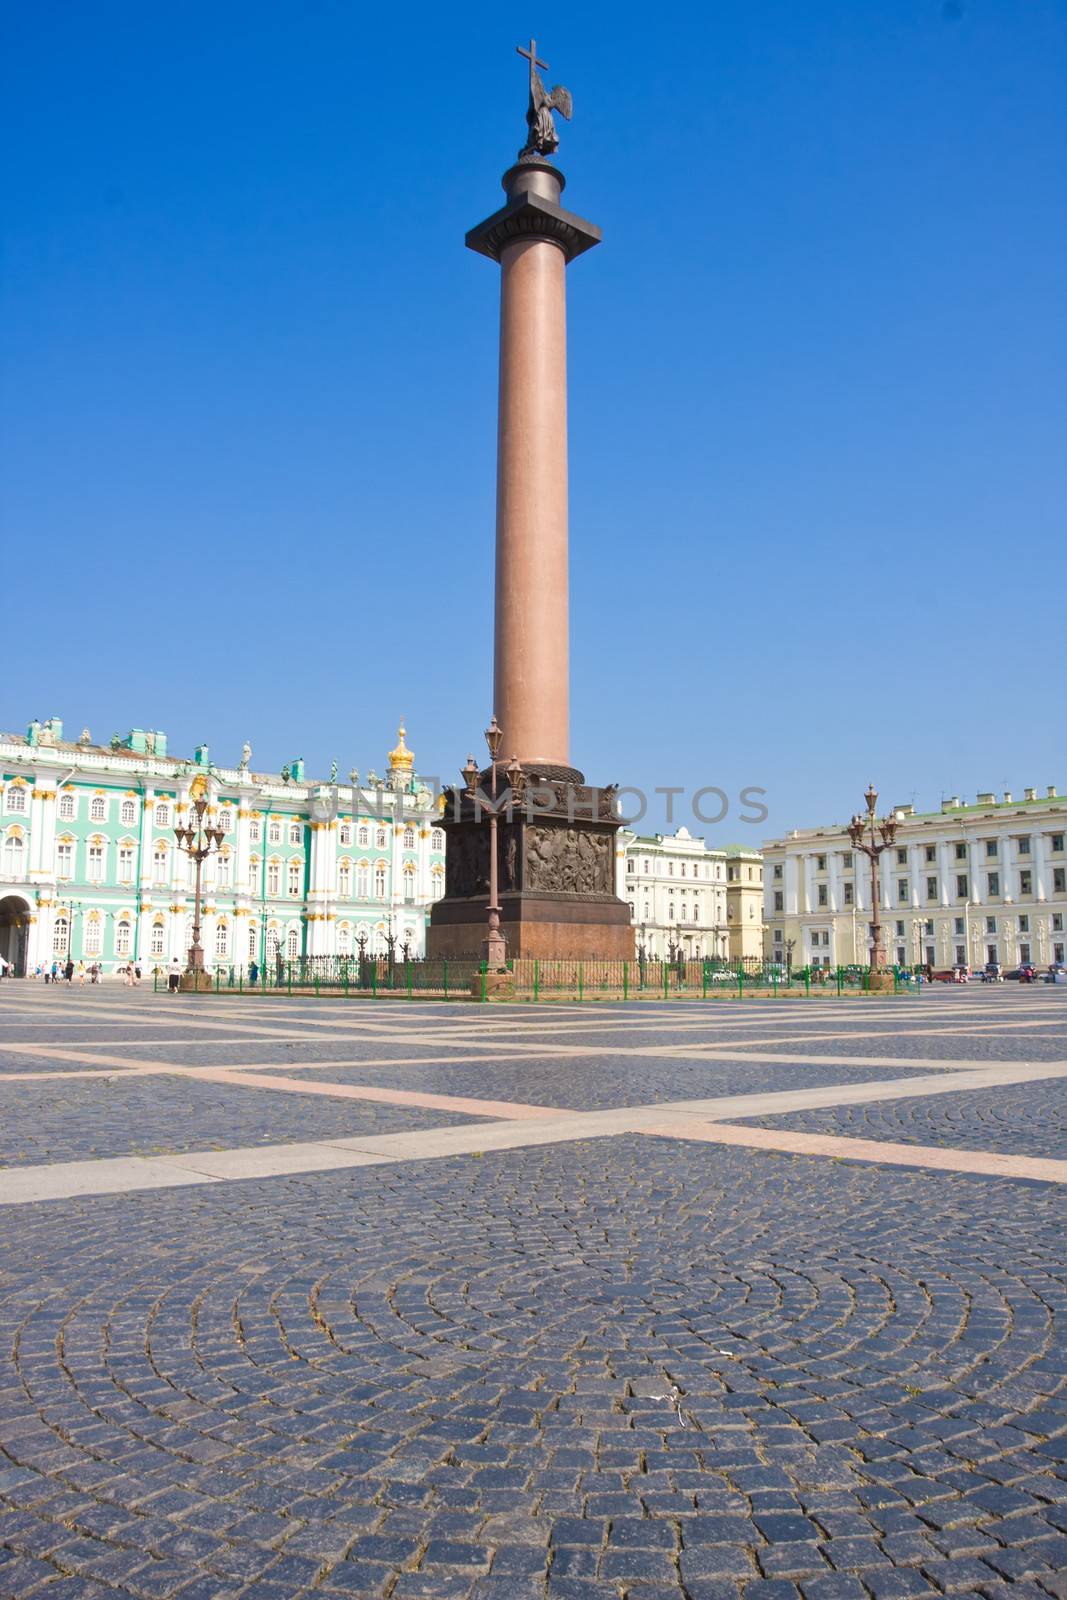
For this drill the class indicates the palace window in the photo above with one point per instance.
(1024, 846)
(226, 819)
(159, 864)
(900, 930)
(380, 840)
(93, 935)
(274, 877)
(902, 858)
(629, 866)
(253, 873)
(993, 882)
(409, 886)
(253, 940)
(345, 835)
(409, 838)
(158, 938)
(363, 880)
(128, 813)
(163, 815)
(1057, 843)
(13, 855)
(902, 891)
(1059, 880)
(849, 894)
(222, 871)
(95, 873)
(1024, 924)
(991, 847)
(1026, 882)
(778, 872)
(344, 939)
(274, 833)
(681, 870)
(125, 863)
(16, 797)
(64, 859)
(272, 945)
(295, 875)
(961, 884)
(344, 879)
(60, 937)
(97, 808)
(822, 894)
(363, 836)
(1057, 922)
(379, 882)
(66, 807)
(296, 833)
(437, 840)
(931, 888)
(254, 831)
(990, 924)
(292, 944)
(437, 883)
(670, 911)
(961, 852)
(957, 925)
(122, 938)
(222, 940)
(931, 852)
(779, 901)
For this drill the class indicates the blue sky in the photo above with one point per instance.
(816, 384)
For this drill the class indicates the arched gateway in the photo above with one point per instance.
(14, 932)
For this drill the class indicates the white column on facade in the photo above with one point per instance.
(33, 822)
(807, 886)
(834, 891)
(1040, 868)
(915, 874)
(944, 872)
(791, 876)
(1007, 869)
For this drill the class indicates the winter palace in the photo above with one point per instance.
(90, 868)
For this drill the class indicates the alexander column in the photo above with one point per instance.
(557, 863)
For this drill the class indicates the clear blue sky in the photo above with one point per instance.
(817, 383)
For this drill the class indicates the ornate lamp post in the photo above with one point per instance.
(198, 840)
(872, 837)
(496, 950)
(789, 944)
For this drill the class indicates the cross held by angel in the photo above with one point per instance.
(542, 138)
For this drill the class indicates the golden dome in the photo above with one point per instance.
(401, 759)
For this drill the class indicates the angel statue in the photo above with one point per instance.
(542, 138)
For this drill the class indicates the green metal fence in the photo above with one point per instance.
(373, 977)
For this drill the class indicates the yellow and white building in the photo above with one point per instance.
(974, 882)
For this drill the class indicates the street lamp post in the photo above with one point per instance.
(789, 944)
(198, 840)
(873, 837)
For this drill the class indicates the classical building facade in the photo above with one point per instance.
(89, 865)
(744, 902)
(972, 883)
(677, 893)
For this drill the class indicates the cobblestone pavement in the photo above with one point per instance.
(620, 1367)
(1023, 1119)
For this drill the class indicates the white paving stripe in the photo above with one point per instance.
(69, 1180)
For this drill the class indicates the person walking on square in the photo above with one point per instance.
(253, 973)
(55, 971)
(81, 973)
(174, 976)
(68, 972)
(137, 974)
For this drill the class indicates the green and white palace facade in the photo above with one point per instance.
(90, 867)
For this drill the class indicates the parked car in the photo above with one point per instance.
(956, 974)
(992, 972)
(1057, 973)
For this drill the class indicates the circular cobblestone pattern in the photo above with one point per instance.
(621, 1368)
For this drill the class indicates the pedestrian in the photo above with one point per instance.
(253, 973)
(81, 973)
(3, 966)
(174, 976)
(68, 972)
(55, 971)
(137, 974)
(127, 976)
(47, 974)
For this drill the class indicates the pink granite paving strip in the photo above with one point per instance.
(509, 1110)
(987, 1163)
